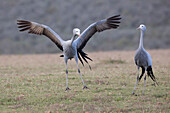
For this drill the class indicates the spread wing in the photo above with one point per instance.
(109, 23)
(40, 29)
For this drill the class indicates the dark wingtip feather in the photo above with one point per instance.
(116, 17)
(22, 26)
(112, 25)
(23, 21)
(114, 21)
(24, 29)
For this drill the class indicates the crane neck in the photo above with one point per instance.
(141, 39)
(72, 39)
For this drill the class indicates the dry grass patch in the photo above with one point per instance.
(36, 83)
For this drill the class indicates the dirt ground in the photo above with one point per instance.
(36, 83)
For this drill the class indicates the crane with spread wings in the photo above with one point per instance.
(71, 48)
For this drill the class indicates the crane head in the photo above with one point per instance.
(142, 27)
(76, 32)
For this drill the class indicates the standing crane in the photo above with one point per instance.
(71, 48)
(143, 60)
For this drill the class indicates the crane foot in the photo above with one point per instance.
(85, 87)
(67, 89)
(134, 94)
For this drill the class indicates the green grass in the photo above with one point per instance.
(42, 89)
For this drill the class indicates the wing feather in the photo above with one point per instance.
(40, 29)
(109, 23)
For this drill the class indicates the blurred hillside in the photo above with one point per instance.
(62, 16)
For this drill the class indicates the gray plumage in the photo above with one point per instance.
(143, 60)
(110, 23)
(71, 48)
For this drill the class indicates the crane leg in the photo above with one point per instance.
(67, 88)
(136, 81)
(85, 87)
(144, 85)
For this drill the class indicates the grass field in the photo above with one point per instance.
(36, 83)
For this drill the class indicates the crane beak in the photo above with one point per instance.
(137, 28)
(79, 35)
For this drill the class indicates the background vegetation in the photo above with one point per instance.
(62, 16)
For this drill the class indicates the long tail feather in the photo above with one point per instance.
(85, 57)
(143, 71)
(80, 59)
(151, 75)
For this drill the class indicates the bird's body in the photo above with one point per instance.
(143, 60)
(71, 48)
